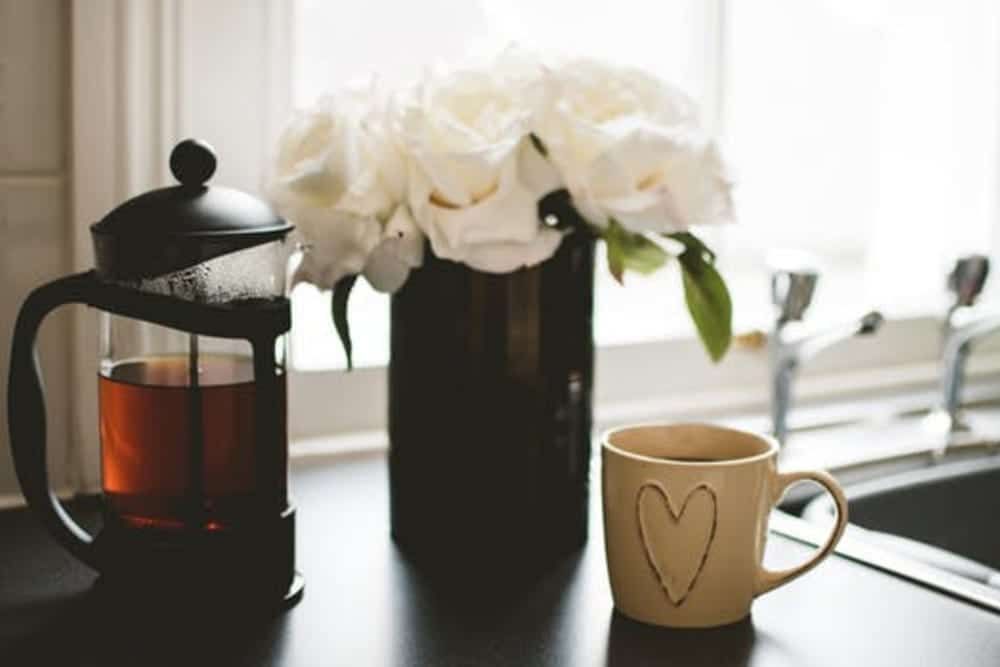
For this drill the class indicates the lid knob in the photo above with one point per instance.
(192, 162)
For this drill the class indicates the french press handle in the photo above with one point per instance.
(26, 413)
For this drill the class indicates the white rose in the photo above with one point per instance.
(630, 147)
(475, 178)
(339, 178)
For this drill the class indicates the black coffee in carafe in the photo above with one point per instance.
(179, 452)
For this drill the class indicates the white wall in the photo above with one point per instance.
(34, 186)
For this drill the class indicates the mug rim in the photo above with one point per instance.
(606, 445)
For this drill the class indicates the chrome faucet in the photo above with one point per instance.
(963, 325)
(792, 342)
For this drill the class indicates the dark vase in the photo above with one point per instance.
(490, 384)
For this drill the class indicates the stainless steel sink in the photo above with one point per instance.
(937, 524)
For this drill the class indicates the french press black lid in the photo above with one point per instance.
(176, 227)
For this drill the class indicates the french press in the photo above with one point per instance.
(190, 282)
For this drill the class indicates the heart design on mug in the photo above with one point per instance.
(661, 526)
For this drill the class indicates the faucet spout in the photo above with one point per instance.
(964, 323)
(962, 328)
(797, 341)
(793, 343)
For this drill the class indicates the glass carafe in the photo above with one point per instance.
(178, 411)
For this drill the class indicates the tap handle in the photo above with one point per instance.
(967, 279)
(792, 292)
(870, 323)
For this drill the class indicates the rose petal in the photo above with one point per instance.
(405, 238)
(537, 172)
(508, 215)
(400, 250)
(338, 245)
(507, 257)
(629, 147)
(384, 271)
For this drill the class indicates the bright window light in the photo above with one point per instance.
(862, 133)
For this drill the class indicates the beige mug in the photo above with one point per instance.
(685, 521)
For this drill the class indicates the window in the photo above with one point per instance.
(863, 133)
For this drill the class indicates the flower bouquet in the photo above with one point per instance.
(476, 196)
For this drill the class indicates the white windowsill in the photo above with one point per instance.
(823, 401)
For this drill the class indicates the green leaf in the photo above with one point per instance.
(706, 295)
(616, 255)
(338, 307)
(694, 244)
(628, 250)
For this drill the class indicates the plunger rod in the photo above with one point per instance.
(196, 470)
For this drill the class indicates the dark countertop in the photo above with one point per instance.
(365, 605)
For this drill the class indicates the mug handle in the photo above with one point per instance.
(26, 414)
(768, 580)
